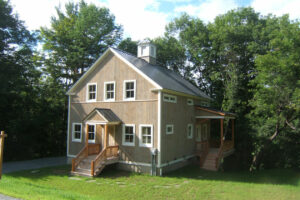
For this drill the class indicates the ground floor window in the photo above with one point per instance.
(91, 132)
(146, 135)
(76, 132)
(128, 134)
(190, 130)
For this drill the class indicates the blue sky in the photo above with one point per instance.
(148, 18)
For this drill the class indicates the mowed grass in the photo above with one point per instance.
(187, 183)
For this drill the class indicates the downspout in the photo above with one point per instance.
(159, 133)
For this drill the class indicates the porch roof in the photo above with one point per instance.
(103, 115)
(212, 113)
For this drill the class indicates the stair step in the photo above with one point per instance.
(76, 173)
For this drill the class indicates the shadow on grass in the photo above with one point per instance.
(272, 176)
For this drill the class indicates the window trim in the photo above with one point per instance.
(190, 136)
(141, 144)
(170, 96)
(190, 102)
(95, 129)
(167, 126)
(104, 96)
(124, 90)
(88, 92)
(123, 135)
(73, 132)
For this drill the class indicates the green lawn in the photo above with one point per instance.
(186, 183)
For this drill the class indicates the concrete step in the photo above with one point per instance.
(210, 168)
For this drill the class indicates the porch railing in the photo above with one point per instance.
(110, 151)
(85, 152)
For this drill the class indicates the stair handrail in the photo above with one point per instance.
(102, 156)
(79, 157)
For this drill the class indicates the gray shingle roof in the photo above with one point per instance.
(166, 78)
(108, 114)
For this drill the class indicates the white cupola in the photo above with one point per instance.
(147, 51)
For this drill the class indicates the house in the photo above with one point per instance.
(127, 110)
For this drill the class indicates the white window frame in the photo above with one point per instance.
(123, 135)
(104, 96)
(95, 125)
(192, 129)
(88, 93)
(124, 90)
(168, 126)
(169, 98)
(141, 144)
(190, 102)
(73, 132)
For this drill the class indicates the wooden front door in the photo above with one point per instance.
(111, 136)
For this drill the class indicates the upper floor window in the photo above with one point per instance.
(109, 91)
(91, 91)
(76, 132)
(190, 130)
(128, 134)
(170, 98)
(129, 90)
(146, 135)
(190, 102)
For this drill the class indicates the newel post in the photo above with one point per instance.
(2, 136)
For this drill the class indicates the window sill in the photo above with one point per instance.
(128, 144)
(76, 140)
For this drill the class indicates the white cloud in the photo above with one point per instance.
(209, 9)
(140, 19)
(278, 7)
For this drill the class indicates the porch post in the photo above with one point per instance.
(87, 137)
(222, 134)
(232, 131)
(105, 136)
(2, 136)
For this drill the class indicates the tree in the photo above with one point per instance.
(77, 37)
(276, 107)
(129, 46)
(19, 78)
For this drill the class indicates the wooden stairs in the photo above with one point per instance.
(86, 164)
(210, 163)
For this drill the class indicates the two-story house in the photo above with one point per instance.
(129, 111)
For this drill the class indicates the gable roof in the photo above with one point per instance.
(107, 114)
(160, 77)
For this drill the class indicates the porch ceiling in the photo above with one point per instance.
(211, 113)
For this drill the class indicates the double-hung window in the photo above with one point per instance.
(109, 91)
(92, 133)
(129, 90)
(190, 130)
(91, 92)
(76, 132)
(146, 135)
(128, 135)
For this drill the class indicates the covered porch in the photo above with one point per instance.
(216, 145)
(100, 145)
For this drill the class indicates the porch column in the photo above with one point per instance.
(232, 131)
(222, 134)
(105, 135)
(87, 137)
